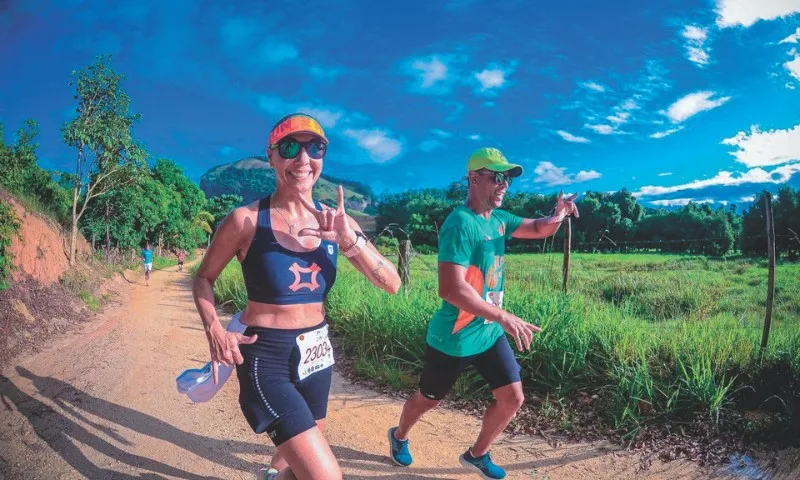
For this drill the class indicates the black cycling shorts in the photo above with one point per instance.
(497, 366)
(285, 380)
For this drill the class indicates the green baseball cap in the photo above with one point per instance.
(492, 159)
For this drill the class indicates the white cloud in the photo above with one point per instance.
(551, 175)
(226, 150)
(790, 85)
(695, 39)
(793, 38)
(441, 133)
(430, 145)
(475, 137)
(376, 142)
(430, 71)
(747, 199)
(619, 118)
(492, 78)
(326, 117)
(732, 13)
(695, 33)
(723, 178)
(762, 149)
(594, 86)
(629, 104)
(666, 133)
(572, 138)
(793, 66)
(692, 104)
(585, 176)
(432, 74)
(601, 129)
(681, 202)
(438, 74)
(665, 174)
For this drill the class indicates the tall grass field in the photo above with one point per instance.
(655, 337)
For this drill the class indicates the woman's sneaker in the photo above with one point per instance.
(483, 466)
(398, 450)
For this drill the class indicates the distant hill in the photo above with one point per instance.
(252, 178)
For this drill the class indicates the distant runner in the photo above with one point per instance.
(147, 256)
(181, 258)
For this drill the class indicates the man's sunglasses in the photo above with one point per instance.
(499, 177)
(289, 148)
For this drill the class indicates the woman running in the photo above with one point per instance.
(287, 244)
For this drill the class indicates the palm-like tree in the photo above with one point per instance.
(203, 220)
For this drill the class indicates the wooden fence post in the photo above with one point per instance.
(403, 263)
(567, 250)
(771, 280)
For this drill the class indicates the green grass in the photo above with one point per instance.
(656, 337)
(160, 263)
(92, 302)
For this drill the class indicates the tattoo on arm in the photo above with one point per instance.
(378, 273)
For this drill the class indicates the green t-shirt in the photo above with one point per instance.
(478, 244)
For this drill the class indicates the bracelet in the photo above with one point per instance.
(354, 249)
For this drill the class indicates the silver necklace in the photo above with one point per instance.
(290, 225)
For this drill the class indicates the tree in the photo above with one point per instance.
(20, 173)
(220, 206)
(179, 229)
(203, 221)
(107, 155)
(19, 160)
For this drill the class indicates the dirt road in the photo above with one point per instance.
(102, 404)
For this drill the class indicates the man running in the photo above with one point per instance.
(147, 256)
(468, 328)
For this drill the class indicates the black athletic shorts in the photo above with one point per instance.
(285, 380)
(496, 365)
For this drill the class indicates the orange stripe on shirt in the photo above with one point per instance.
(475, 279)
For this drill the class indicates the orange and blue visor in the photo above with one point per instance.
(295, 123)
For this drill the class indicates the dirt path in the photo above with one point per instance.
(102, 404)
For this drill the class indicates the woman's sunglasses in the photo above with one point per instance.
(289, 148)
(499, 177)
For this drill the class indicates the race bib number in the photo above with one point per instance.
(316, 352)
(496, 299)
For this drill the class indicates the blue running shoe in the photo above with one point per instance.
(483, 466)
(398, 450)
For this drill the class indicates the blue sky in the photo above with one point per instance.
(693, 100)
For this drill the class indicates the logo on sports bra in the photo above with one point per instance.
(297, 270)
